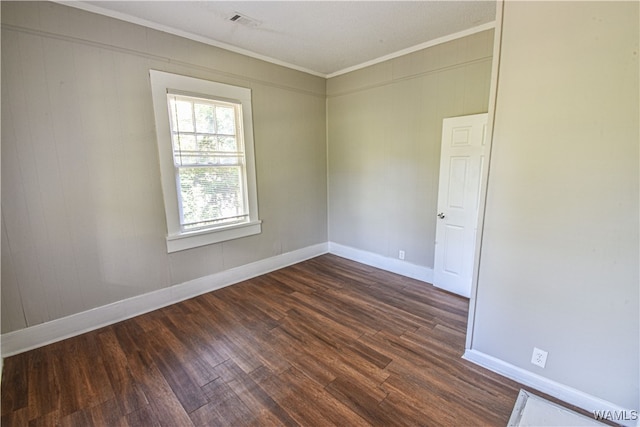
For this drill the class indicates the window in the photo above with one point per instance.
(205, 144)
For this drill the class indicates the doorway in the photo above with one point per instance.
(462, 162)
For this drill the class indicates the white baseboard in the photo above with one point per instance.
(79, 323)
(560, 391)
(384, 263)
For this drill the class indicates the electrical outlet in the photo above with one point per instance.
(539, 357)
(401, 254)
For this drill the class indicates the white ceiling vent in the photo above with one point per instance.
(243, 19)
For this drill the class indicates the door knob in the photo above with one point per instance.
(441, 215)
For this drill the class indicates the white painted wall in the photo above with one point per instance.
(559, 259)
(82, 216)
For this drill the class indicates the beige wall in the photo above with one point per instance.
(82, 215)
(559, 261)
(384, 130)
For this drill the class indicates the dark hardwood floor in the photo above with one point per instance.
(324, 342)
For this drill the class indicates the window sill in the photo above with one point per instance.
(180, 242)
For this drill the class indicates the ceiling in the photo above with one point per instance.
(325, 38)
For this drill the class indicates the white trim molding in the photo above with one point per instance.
(79, 323)
(180, 33)
(207, 40)
(412, 49)
(560, 391)
(393, 265)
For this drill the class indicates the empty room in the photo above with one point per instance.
(316, 213)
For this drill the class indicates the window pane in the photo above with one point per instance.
(204, 118)
(202, 158)
(227, 143)
(181, 116)
(233, 160)
(183, 145)
(210, 194)
(207, 143)
(226, 120)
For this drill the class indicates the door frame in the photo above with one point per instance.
(493, 93)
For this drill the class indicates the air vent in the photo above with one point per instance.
(240, 18)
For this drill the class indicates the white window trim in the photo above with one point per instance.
(177, 239)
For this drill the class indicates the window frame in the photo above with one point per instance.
(178, 239)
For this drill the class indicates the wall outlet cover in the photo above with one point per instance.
(539, 357)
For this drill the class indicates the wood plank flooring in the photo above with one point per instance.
(321, 343)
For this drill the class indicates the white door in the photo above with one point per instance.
(461, 165)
